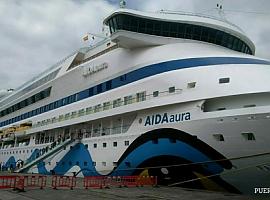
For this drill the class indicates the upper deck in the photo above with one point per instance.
(182, 26)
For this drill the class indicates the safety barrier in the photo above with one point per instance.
(147, 180)
(7, 182)
(63, 182)
(35, 181)
(22, 182)
(19, 185)
(118, 181)
(94, 182)
(39, 181)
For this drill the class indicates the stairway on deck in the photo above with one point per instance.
(45, 155)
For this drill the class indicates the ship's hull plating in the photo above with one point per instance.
(180, 155)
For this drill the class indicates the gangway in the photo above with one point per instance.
(45, 155)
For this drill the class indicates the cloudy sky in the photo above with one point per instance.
(35, 34)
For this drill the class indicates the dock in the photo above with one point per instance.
(113, 193)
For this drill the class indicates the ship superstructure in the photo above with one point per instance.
(177, 96)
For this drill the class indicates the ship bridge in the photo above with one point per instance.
(133, 29)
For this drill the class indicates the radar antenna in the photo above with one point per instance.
(122, 4)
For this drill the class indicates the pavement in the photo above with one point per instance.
(115, 193)
(142, 193)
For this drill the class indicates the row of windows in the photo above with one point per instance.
(104, 144)
(177, 30)
(138, 97)
(65, 101)
(217, 137)
(246, 136)
(33, 99)
(36, 84)
(16, 152)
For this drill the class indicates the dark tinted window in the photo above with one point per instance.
(178, 30)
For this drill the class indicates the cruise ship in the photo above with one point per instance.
(174, 95)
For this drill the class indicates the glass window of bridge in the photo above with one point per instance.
(177, 30)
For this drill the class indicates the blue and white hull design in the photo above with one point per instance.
(191, 107)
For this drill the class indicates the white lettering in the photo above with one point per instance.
(92, 69)
(261, 190)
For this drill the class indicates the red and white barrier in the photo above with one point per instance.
(118, 181)
(63, 182)
(35, 181)
(7, 182)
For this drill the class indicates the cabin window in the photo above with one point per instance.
(115, 144)
(218, 137)
(117, 103)
(171, 89)
(95, 145)
(141, 96)
(97, 108)
(103, 163)
(249, 106)
(155, 93)
(222, 108)
(126, 143)
(115, 164)
(224, 80)
(191, 85)
(89, 110)
(106, 105)
(248, 136)
(94, 163)
(104, 144)
(128, 99)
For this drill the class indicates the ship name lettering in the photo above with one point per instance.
(92, 69)
(165, 118)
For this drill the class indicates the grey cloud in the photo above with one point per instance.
(36, 34)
